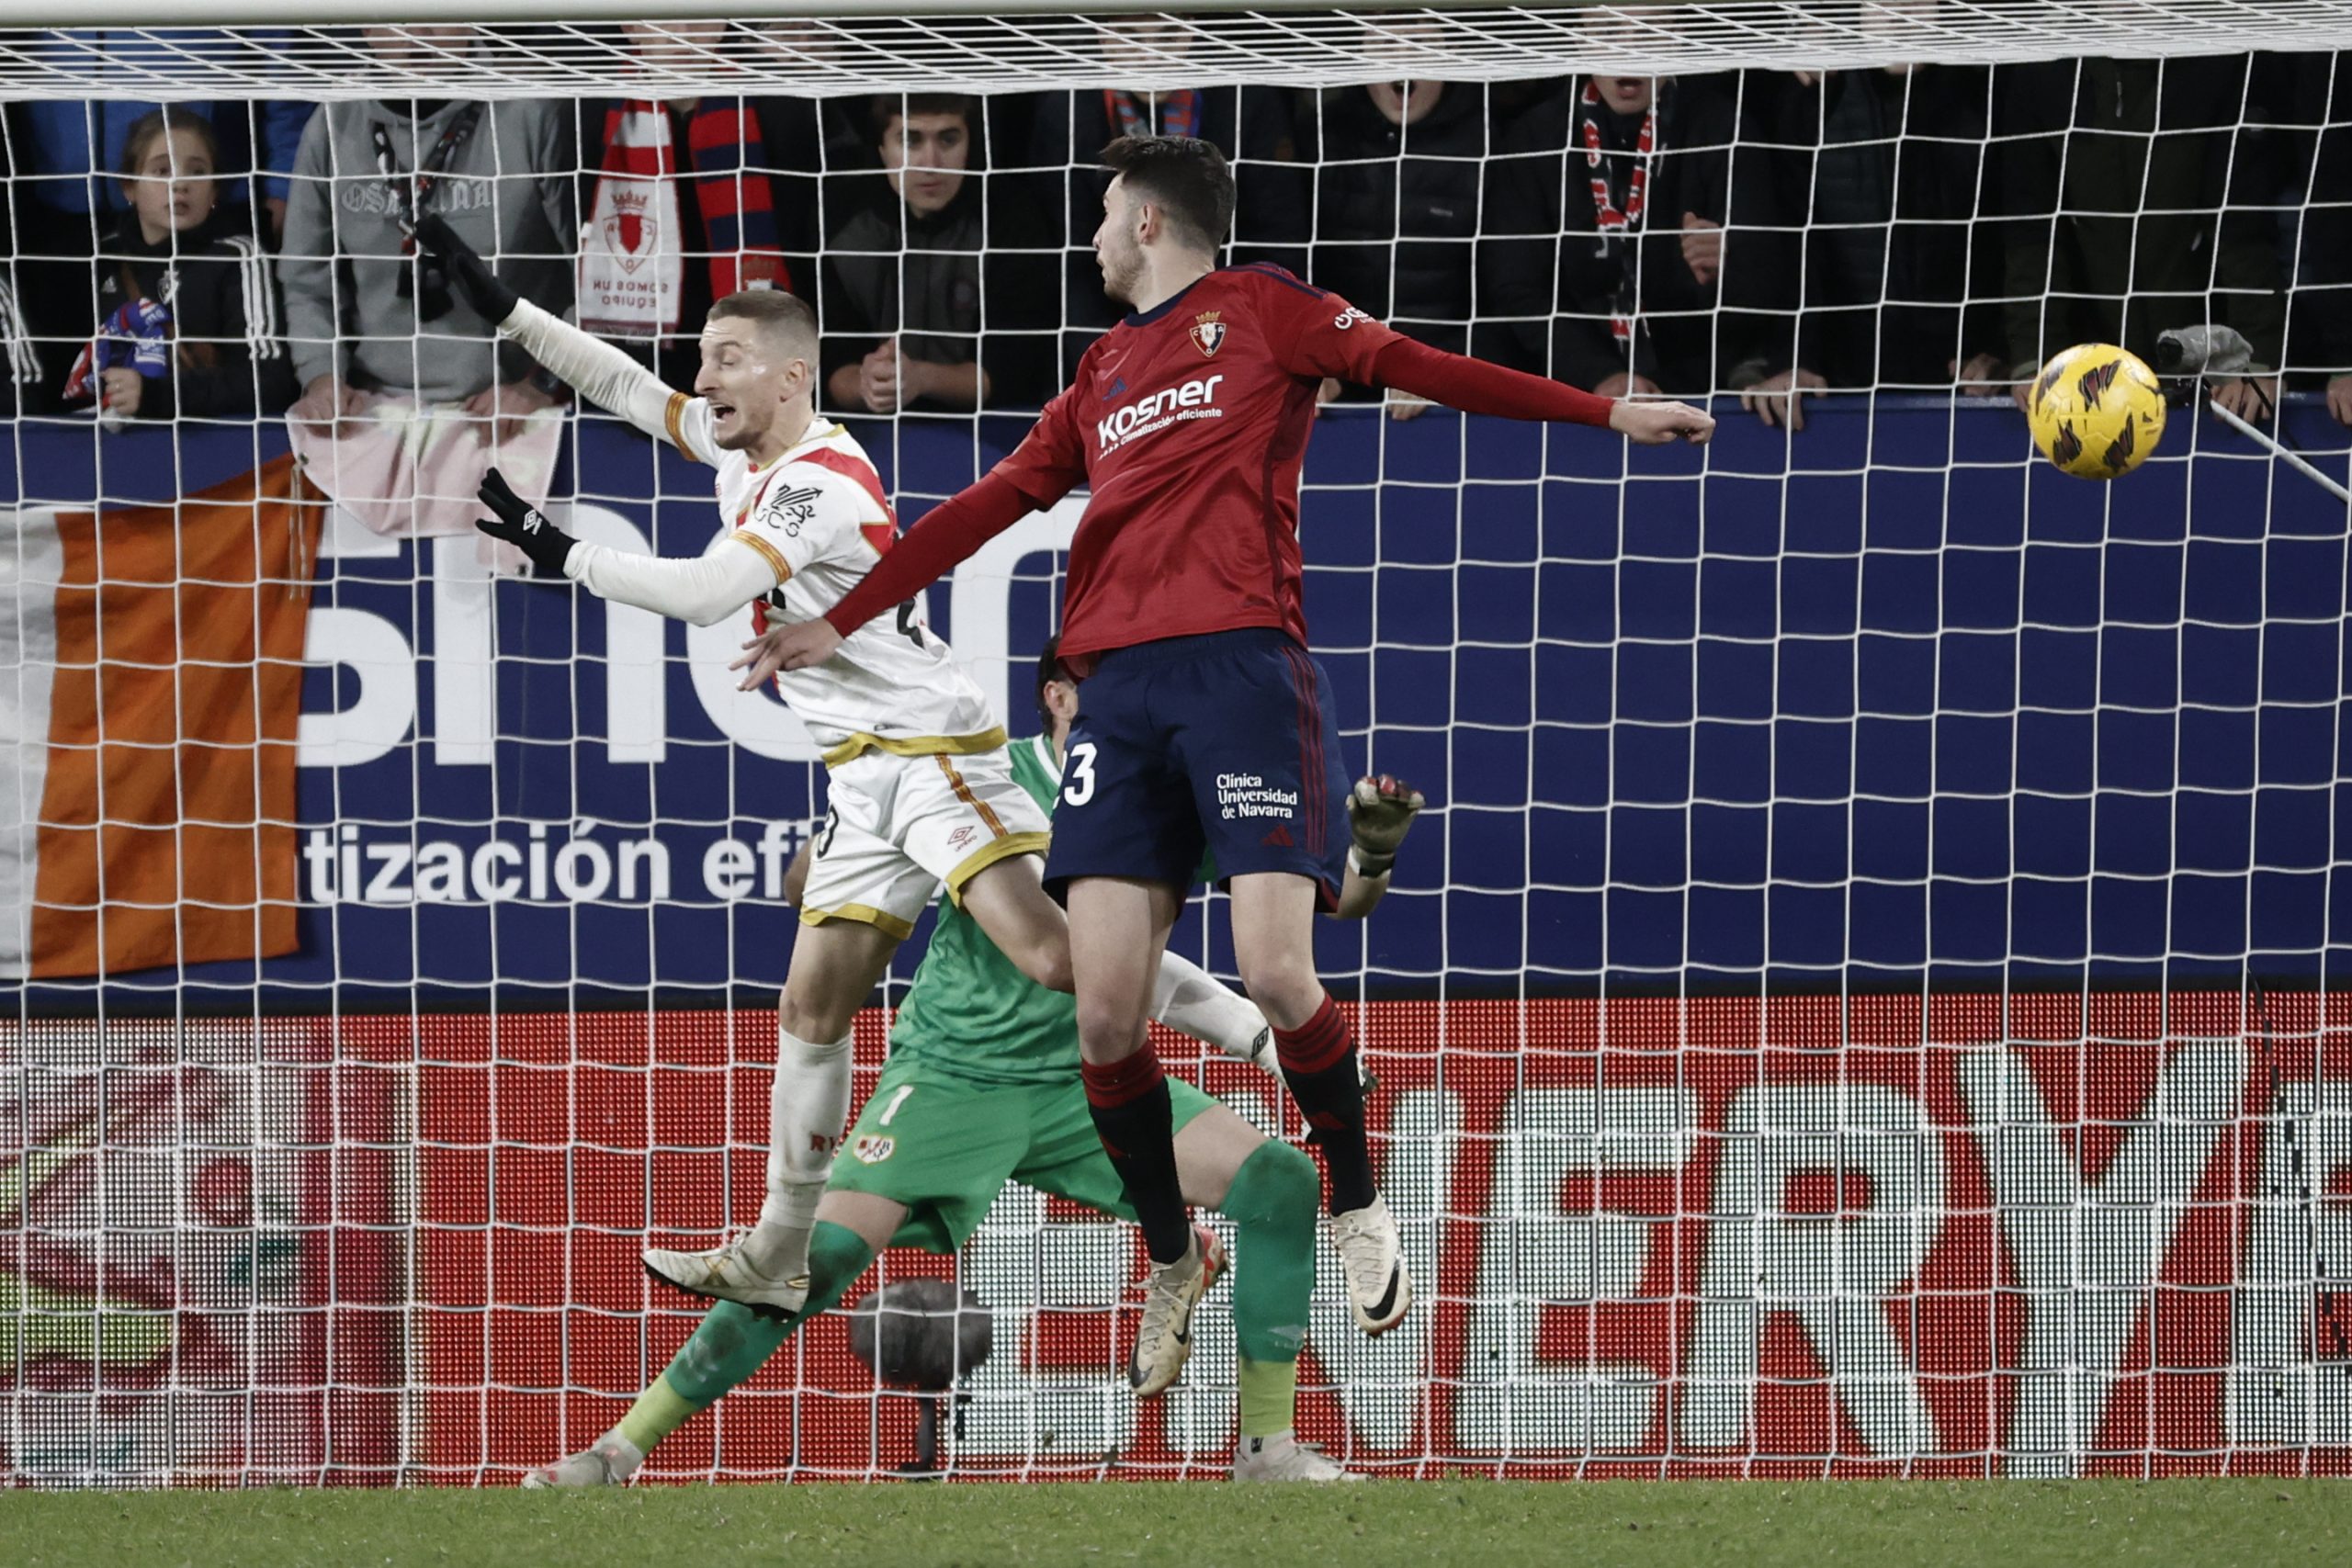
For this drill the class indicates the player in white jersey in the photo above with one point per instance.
(922, 790)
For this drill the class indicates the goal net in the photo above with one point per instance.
(1864, 998)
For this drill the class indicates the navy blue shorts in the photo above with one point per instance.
(1224, 743)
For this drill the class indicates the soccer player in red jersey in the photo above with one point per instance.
(1203, 723)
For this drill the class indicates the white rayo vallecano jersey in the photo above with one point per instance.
(819, 516)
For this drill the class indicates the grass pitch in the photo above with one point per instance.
(1946, 1524)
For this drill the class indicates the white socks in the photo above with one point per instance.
(807, 1112)
(1188, 998)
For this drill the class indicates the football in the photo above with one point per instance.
(2095, 410)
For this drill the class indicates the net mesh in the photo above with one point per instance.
(1865, 997)
(852, 55)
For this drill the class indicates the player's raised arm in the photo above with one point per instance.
(784, 513)
(595, 370)
(1327, 336)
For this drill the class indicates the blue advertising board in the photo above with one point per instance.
(1883, 700)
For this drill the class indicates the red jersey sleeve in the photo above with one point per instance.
(1050, 462)
(1313, 332)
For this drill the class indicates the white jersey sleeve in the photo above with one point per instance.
(803, 513)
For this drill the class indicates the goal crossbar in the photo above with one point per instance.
(831, 47)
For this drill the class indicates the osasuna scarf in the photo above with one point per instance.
(632, 264)
(1143, 114)
(1616, 222)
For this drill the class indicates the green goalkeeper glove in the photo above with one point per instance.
(1380, 813)
(491, 300)
(523, 525)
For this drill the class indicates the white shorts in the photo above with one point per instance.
(896, 827)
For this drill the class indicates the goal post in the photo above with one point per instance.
(1867, 995)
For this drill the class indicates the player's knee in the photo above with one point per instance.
(1105, 1033)
(1281, 1183)
(817, 1024)
(1284, 985)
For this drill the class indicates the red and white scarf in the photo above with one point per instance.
(632, 265)
(1176, 113)
(1607, 216)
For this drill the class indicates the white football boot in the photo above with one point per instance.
(1164, 1339)
(1284, 1457)
(610, 1460)
(1372, 1262)
(727, 1274)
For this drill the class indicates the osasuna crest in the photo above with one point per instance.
(1208, 333)
(871, 1150)
(631, 234)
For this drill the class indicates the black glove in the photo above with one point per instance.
(524, 526)
(491, 298)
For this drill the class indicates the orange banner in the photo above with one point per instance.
(168, 813)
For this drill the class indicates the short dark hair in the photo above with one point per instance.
(887, 106)
(1050, 669)
(1184, 176)
(773, 308)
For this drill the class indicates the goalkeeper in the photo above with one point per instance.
(980, 1089)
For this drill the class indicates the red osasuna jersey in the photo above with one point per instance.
(1189, 423)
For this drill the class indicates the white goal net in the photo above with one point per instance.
(1864, 998)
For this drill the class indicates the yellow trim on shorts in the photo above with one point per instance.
(860, 743)
(743, 536)
(864, 914)
(964, 793)
(988, 854)
(677, 420)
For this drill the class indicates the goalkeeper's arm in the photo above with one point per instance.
(593, 368)
(1381, 809)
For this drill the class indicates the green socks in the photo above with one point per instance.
(734, 1342)
(1269, 1397)
(1272, 1204)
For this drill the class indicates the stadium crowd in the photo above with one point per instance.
(1929, 229)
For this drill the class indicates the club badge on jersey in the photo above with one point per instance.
(1208, 334)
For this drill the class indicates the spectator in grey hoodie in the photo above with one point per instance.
(363, 311)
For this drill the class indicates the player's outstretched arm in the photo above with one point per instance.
(1474, 386)
(704, 590)
(595, 370)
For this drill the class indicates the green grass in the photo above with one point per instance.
(1946, 1524)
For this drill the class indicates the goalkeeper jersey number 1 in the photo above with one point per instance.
(819, 517)
(970, 1012)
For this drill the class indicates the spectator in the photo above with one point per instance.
(929, 267)
(364, 313)
(2315, 101)
(1628, 258)
(691, 198)
(1252, 125)
(188, 315)
(1882, 174)
(2115, 174)
(1396, 207)
(72, 145)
